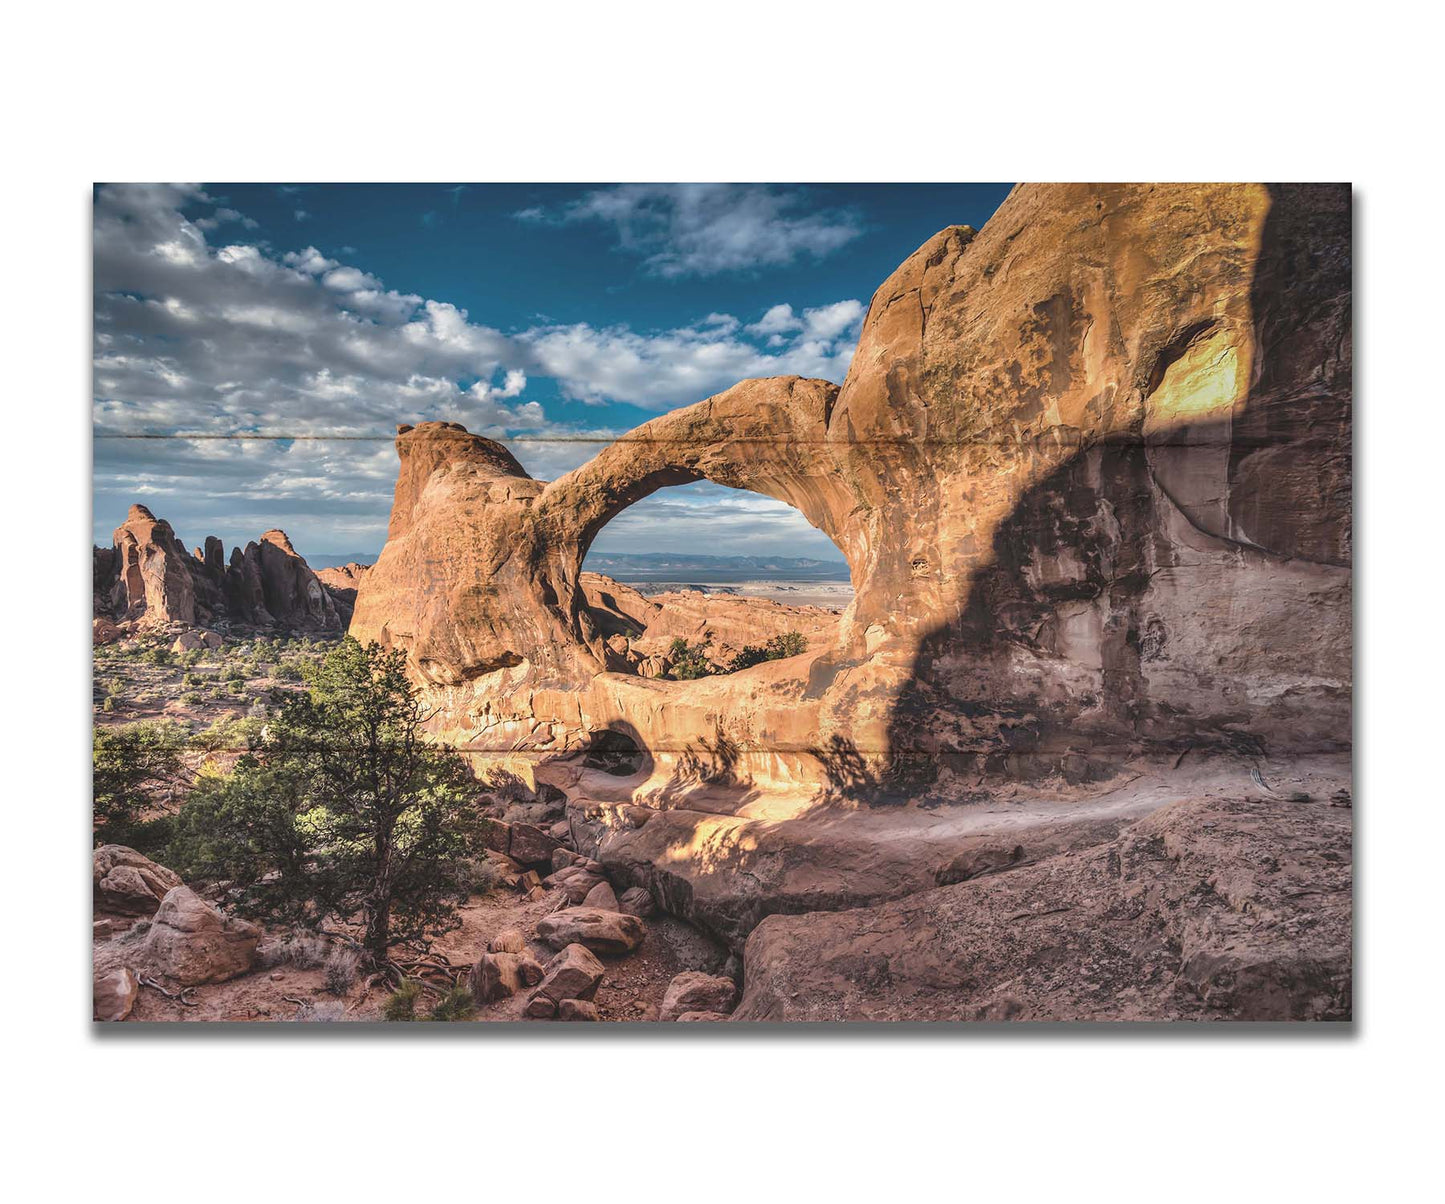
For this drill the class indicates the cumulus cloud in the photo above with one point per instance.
(197, 338)
(234, 337)
(704, 229)
(668, 368)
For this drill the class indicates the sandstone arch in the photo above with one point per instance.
(1114, 422)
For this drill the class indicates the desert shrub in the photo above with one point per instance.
(456, 1004)
(192, 679)
(401, 1003)
(341, 967)
(689, 661)
(286, 670)
(230, 734)
(778, 647)
(479, 875)
(159, 655)
(235, 673)
(304, 949)
(192, 697)
(109, 703)
(135, 767)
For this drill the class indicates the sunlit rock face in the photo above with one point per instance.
(1091, 472)
(147, 577)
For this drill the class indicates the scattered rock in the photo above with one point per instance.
(697, 1017)
(601, 898)
(114, 992)
(694, 991)
(577, 1009)
(531, 845)
(103, 930)
(103, 631)
(509, 940)
(189, 942)
(501, 975)
(608, 932)
(573, 974)
(636, 901)
(128, 882)
(575, 881)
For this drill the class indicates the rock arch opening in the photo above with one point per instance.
(692, 578)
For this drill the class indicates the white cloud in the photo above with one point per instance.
(703, 229)
(199, 339)
(830, 321)
(776, 320)
(665, 369)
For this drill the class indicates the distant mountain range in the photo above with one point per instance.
(671, 566)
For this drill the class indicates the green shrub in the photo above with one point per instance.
(135, 766)
(779, 647)
(341, 967)
(401, 1003)
(689, 661)
(456, 1004)
(230, 734)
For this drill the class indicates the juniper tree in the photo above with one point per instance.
(344, 811)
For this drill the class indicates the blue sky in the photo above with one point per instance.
(530, 313)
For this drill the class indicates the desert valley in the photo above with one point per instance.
(1068, 737)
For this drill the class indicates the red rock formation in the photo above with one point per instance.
(153, 581)
(149, 578)
(341, 583)
(1090, 469)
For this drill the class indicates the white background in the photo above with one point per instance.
(845, 91)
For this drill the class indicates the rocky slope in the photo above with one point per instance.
(148, 578)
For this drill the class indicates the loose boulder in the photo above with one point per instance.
(531, 845)
(127, 882)
(574, 881)
(636, 901)
(114, 992)
(606, 932)
(502, 975)
(601, 898)
(507, 941)
(190, 942)
(573, 974)
(577, 1009)
(693, 991)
